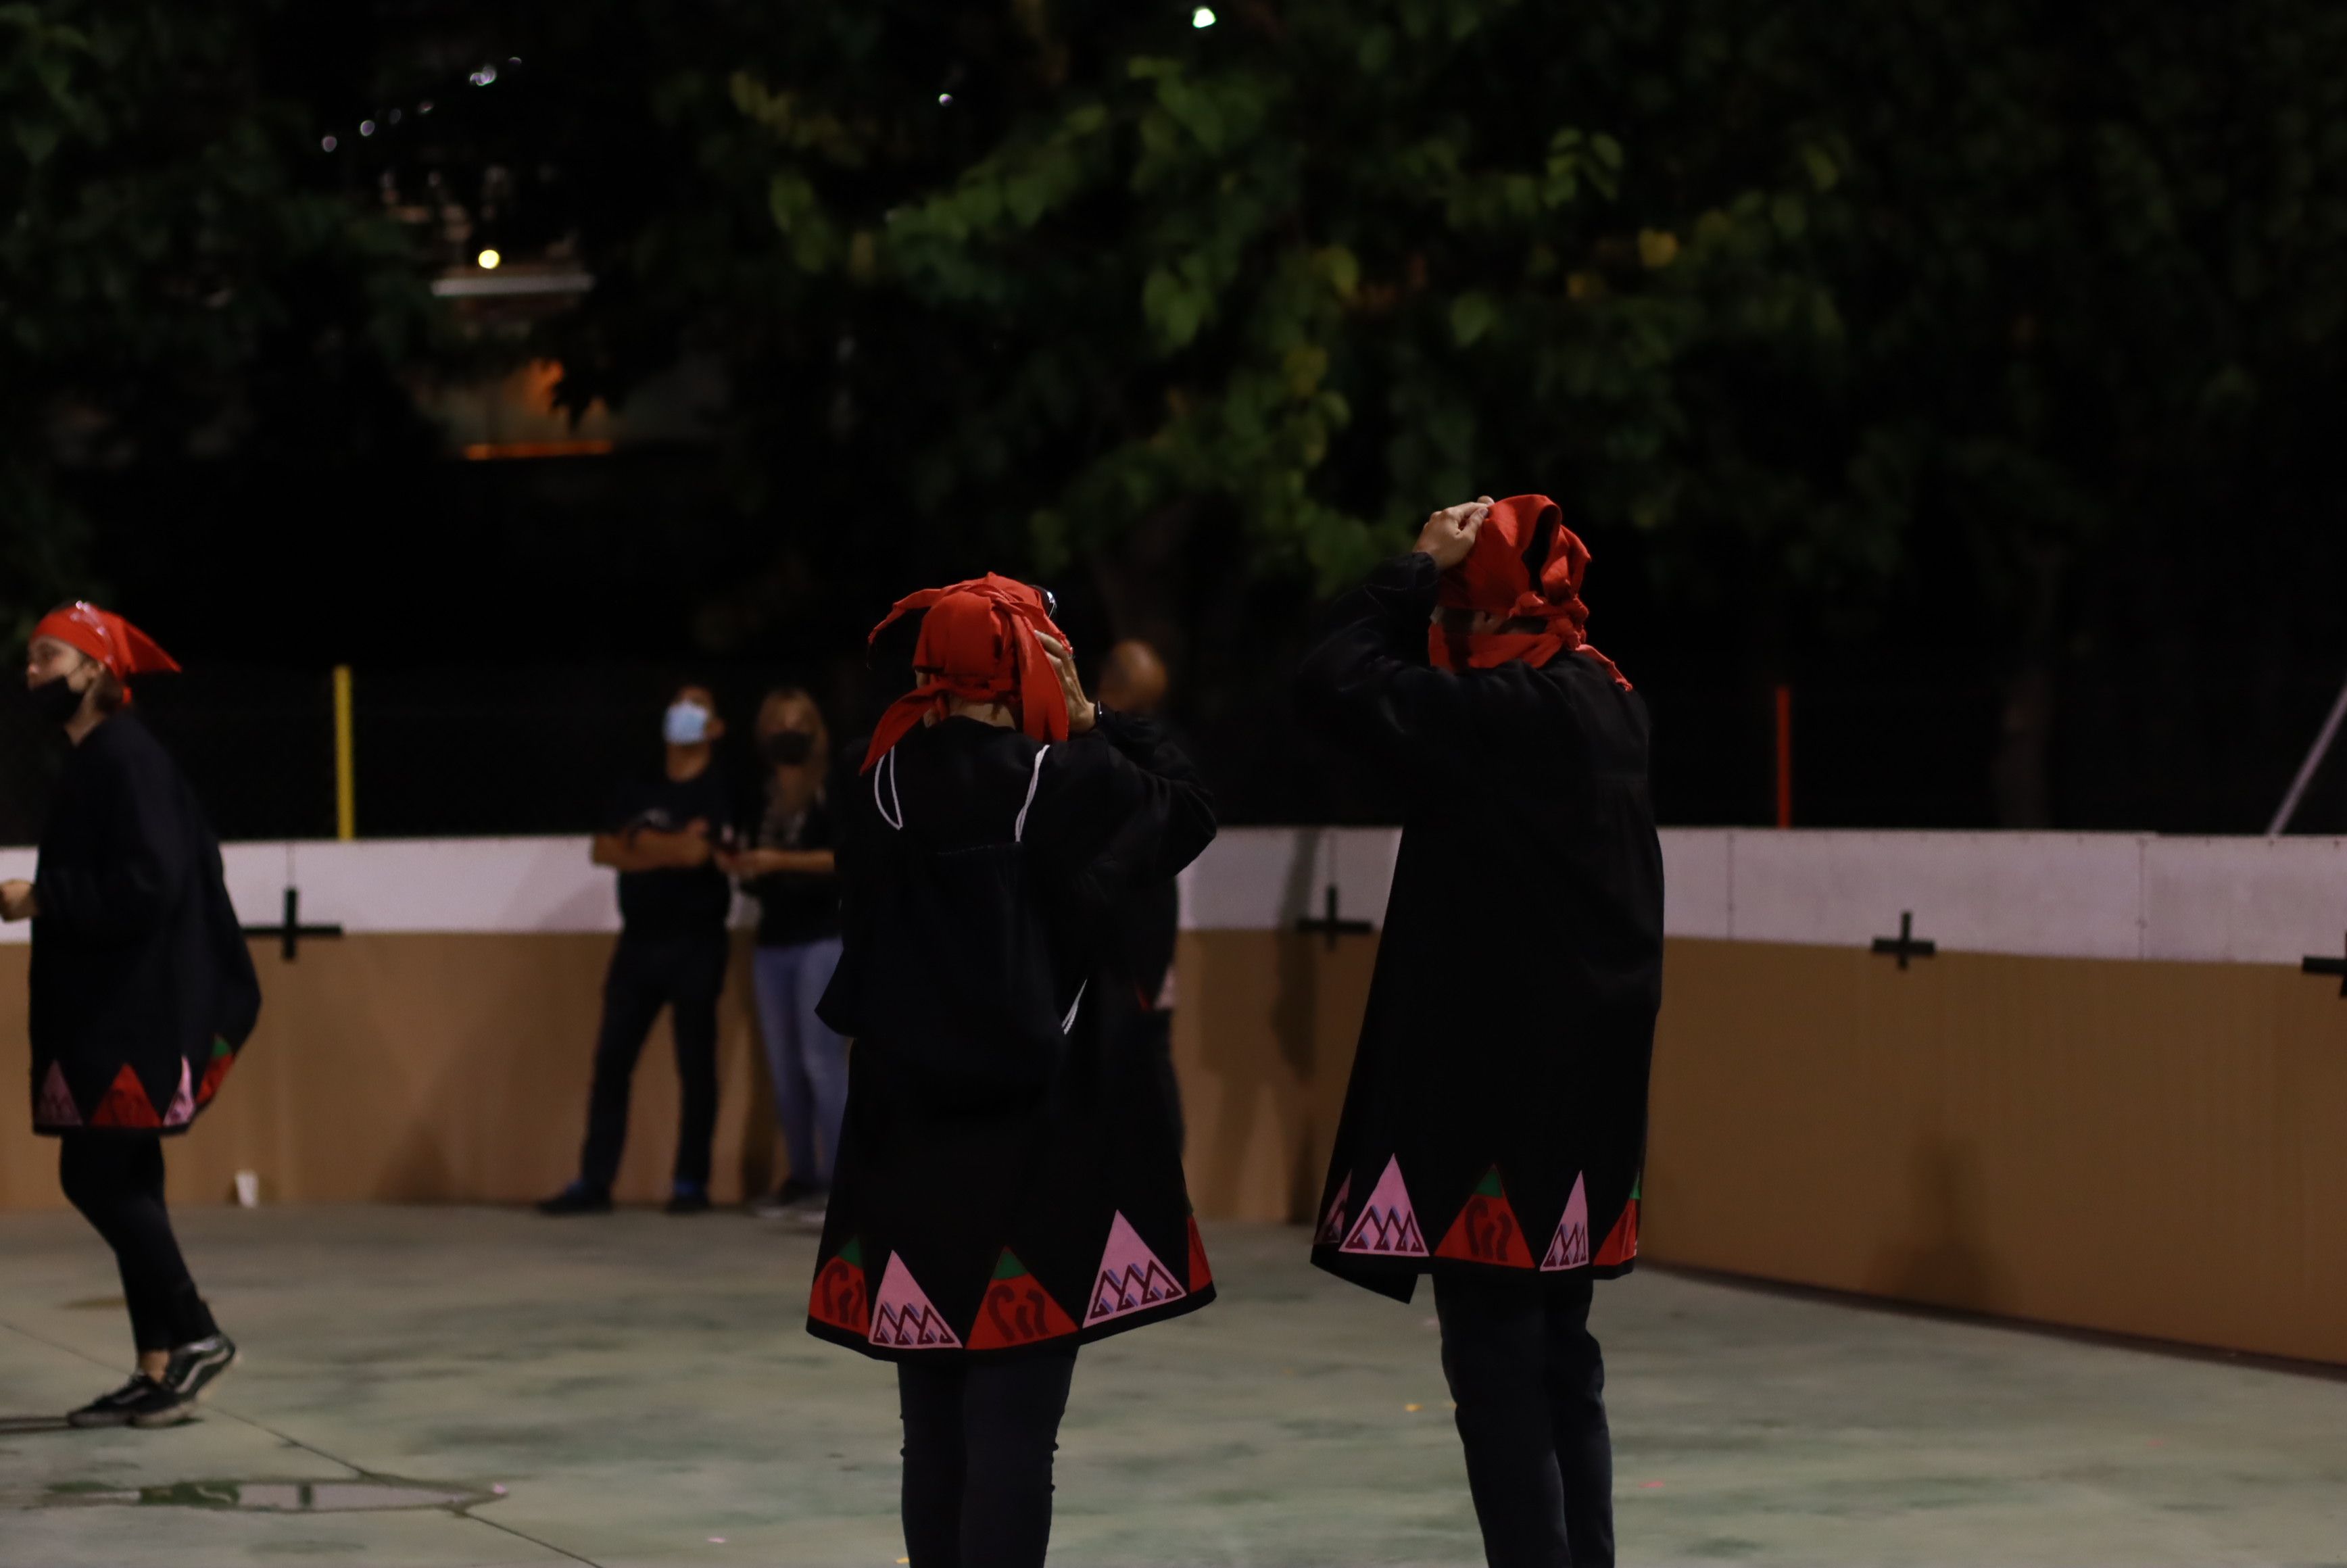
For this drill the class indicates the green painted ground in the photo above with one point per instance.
(639, 1386)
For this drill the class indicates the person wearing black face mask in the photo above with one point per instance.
(789, 869)
(142, 993)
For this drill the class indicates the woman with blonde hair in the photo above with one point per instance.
(787, 866)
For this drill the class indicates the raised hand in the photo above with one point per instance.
(1082, 711)
(1449, 534)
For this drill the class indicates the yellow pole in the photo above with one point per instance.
(346, 804)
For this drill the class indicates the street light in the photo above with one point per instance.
(1202, 18)
(489, 259)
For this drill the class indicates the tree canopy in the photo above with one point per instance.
(170, 283)
(1809, 299)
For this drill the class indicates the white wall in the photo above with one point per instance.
(2067, 894)
(2107, 896)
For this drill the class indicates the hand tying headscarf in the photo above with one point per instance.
(978, 644)
(122, 648)
(1525, 565)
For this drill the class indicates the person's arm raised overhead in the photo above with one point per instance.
(1368, 679)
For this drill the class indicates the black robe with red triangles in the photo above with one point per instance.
(142, 987)
(1496, 1119)
(961, 1227)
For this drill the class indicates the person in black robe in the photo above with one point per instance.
(142, 993)
(1495, 1124)
(1133, 682)
(1009, 1184)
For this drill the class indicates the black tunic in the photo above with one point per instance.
(1497, 1114)
(963, 1224)
(142, 988)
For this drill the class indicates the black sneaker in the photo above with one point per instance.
(578, 1198)
(687, 1200)
(187, 1377)
(116, 1410)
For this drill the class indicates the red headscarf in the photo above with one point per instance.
(122, 648)
(978, 644)
(1526, 565)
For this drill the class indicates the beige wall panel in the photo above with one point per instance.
(2142, 1148)
(1263, 1042)
(424, 1068)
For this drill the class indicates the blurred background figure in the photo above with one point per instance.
(666, 829)
(1132, 680)
(789, 869)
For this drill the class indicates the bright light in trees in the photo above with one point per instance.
(1202, 18)
(489, 259)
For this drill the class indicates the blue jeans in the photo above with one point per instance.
(805, 1061)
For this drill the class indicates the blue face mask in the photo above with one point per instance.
(685, 725)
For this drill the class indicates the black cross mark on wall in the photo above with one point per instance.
(1331, 926)
(2314, 964)
(292, 930)
(1906, 945)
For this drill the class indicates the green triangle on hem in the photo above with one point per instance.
(1008, 1265)
(1488, 1187)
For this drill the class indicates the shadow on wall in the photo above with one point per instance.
(1264, 1043)
(1296, 1019)
(1949, 1262)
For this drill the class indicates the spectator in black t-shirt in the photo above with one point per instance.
(662, 837)
(788, 868)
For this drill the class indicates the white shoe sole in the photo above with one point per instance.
(185, 1411)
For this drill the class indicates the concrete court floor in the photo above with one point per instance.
(640, 1389)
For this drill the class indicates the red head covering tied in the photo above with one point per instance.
(1526, 565)
(978, 644)
(122, 648)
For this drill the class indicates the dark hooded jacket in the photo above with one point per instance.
(142, 987)
(1015, 1184)
(1496, 1118)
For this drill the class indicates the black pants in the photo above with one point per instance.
(978, 1442)
(115, 1180)
(682, 973)
(1531, 1390)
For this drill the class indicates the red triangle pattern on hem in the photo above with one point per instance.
(215, 1071)
(126, 1104)
(1017, 1310)
(1622, 1241)
(841, 1298)
(1486, 1230)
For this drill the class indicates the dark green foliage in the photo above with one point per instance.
(1786, 282)
(168, 284)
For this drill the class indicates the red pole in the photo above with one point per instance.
(1784, 756)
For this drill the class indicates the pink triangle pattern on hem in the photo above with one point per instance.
(1130, 1279)
(1332, 1224)
(183, 1103)
(1569, 1248)
(57, 1107)
(902, 1316)
(1388, 1225)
